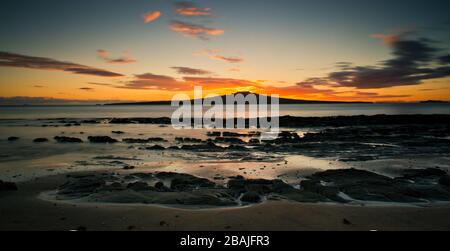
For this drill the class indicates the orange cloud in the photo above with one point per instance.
(227, 59)
(150, 81)
(395, 37)
(215, 55)
(191, 71)
(193, 11)
(124, 59)
(151, 16)
(387, 39)
(193, 30)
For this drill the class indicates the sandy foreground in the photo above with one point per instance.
(24, 210)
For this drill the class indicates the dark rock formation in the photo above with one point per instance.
(67, 140)
(251, 197)
(101, 139)
(7, 186)
(40, 140)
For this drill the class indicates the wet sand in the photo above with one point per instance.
(24, 210)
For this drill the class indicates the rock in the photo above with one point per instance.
(254, 142)
(143, 141)
(101, 139)
(423, 173)
(68, 140)
(156, 148)
(188, 140)
(138, 186)
(157, 139)
(82, 186)
(7, 186)
(40, 140)
(241, 185)
(367, 186)
(128, 167)
(331, 193)
(228, 140)
(445, 181)
(11, 139)
(346, 222)
(237, 148)
(214, 134)
(160, 187)
(251, 197)
(118, 132)
(183, 182)
(233, 134)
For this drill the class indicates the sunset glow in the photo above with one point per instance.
(152, 50)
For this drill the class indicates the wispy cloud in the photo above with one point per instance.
(314, 89)
(151, 16)
(52, 101)
(124, 59)
(216, 55)
(396, 36)
(150, 81)
(191, 71)
(30, 62)
(194, 30)
(99, 84)
(88, 89)
(227, 59)
(191, 9)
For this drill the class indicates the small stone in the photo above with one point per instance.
(346, 222)
(40, 140)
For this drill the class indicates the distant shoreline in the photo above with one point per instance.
(167, 103)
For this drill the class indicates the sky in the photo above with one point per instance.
(148, 50)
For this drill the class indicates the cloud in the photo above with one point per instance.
(38, 86)
(21, 61)
(19, 101)
(124, 59)
(88, 89)
(151, 16)
(220, 83)
(413, 61)
(391, 39)
(191, 71)
(227, 59)
(150, 81)
(306, 90)
(194, 30)
(215, 55)
(387, 39)
(99, 84)
(191, 9)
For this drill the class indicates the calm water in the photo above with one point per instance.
(315, 110)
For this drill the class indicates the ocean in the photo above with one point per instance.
(307, 110)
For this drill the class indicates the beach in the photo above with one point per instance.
(323, 173)
(25, 211)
